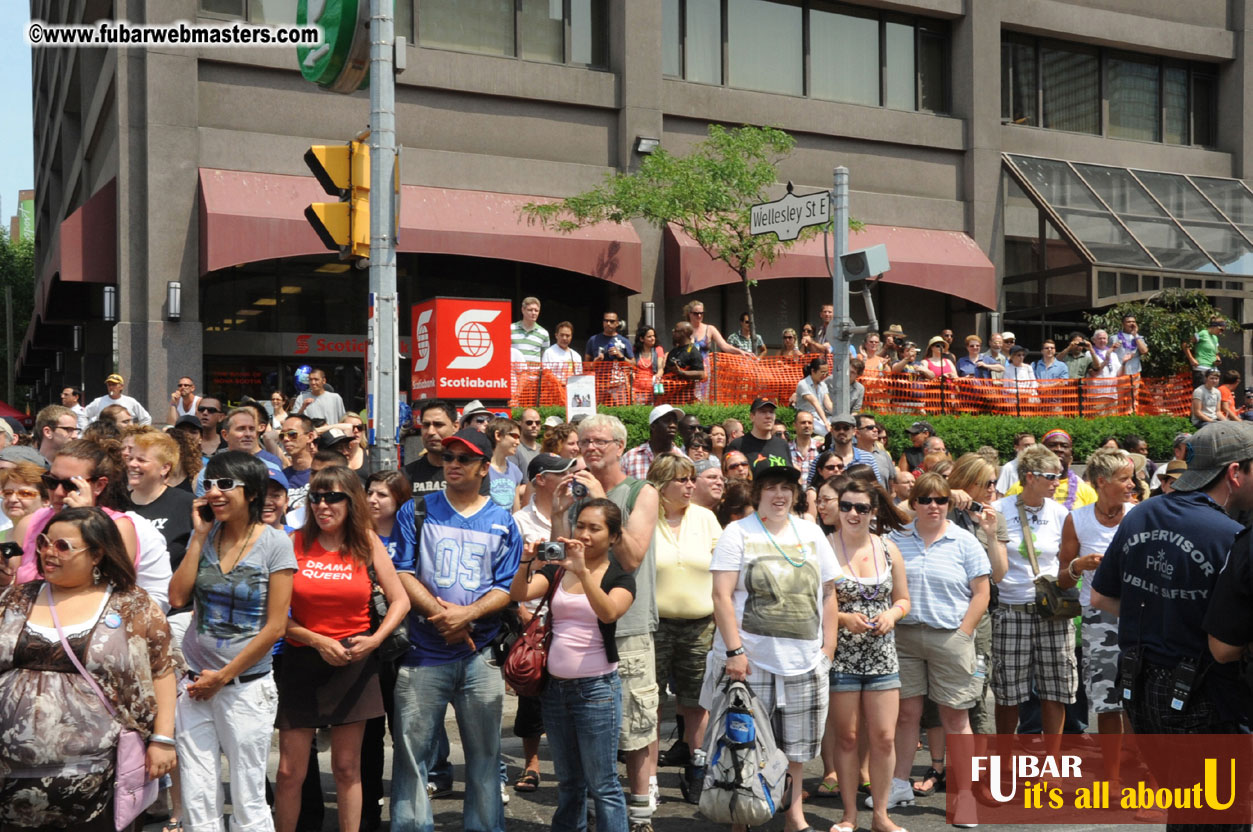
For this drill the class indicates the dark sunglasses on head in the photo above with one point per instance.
(53, 483)
(329, 497)
(860, 508)
(926, 501)
(62, 546)
(208, 410)
(222, 483)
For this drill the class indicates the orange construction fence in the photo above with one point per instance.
(735, 379)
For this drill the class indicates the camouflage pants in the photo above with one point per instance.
(1100, 661)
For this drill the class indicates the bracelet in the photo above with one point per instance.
(901, 604)
(1070, 568)
(739, 651)
(161, 738)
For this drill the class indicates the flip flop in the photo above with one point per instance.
(528, 782)
(828, 789)
(172, 825)
(843, 827)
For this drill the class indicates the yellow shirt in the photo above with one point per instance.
(684, 583)
(1087, 494)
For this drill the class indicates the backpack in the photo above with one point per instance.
(745, 772)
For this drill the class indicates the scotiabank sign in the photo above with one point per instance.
(460, 349)
(307, 343)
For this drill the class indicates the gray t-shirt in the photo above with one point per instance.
(230, 609)
(523, 456)
(328, 406)
(641, 618)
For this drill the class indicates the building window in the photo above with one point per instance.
(549, 31)
(283, 13)
(1103, 92)
(816, 48)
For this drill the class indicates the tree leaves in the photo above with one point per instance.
(1167, 321)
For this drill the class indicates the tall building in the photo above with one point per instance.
(1038, 158)
(22, 224)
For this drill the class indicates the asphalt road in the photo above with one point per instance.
(533, 812)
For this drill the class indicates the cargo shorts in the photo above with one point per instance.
(637, 668)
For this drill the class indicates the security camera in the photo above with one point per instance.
(866, 263)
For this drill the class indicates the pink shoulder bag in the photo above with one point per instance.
(133, 792)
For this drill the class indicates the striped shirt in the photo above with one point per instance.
(530, 342)
(939, 576)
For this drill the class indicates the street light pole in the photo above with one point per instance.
(841, 324)
(384, 345)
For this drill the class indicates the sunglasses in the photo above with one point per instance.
(832, 466)
(861, 508)
(62, 546)
(1048, 475)
(289, 434)
(222, 483)
(462, 459)
(789, 337)
(53, 483)
(926, 501)
(208, 410)
(530, 421)
(734, 465)
(685, 480)
(989, 483)
(24, 493)
(329, 497)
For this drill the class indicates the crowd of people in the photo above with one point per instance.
(240, 570)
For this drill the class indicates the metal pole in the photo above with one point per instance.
(841, 323)
(8, 342)
(384, 347)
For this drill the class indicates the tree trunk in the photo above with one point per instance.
(752, 318)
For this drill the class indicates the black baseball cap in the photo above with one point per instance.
(474, 440)
(919, 427)
(548, 464)
(774, 459)
(760, 402)
(332, 438)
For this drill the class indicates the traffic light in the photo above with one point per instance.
(342, 171)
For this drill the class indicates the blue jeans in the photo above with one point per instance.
(476, 691)
(582, 717)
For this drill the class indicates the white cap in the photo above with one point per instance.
(663, 410)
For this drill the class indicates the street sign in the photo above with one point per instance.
(341, 62)
(787, 216)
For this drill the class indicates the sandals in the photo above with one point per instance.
(843, 827)
(936, 777)
(172, 825)
(528, 782)
(828, 789)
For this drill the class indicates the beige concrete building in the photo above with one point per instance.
(1034, 157)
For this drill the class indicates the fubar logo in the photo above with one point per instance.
(473, 339)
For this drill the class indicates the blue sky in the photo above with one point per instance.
(17, 157)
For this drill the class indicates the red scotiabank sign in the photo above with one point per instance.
(460, 349)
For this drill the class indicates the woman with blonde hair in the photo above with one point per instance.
(683, 544)
(705, 336)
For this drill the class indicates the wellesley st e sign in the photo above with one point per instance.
(787, 216)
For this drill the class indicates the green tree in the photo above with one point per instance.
(709, 193)
(1167, 321)
(17, 271)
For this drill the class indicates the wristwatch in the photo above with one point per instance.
(739, 651)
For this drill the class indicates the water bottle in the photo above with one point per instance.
(981, 667)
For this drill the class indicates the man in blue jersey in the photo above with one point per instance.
(456, 567)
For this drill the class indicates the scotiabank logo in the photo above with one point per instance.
(473, 338)
(422, 342)
(302, 344)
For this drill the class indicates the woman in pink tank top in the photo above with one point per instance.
(582, 701)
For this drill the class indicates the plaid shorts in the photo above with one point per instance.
(1100, 661)
(1025, 647)
(797, 704)
(682, 646)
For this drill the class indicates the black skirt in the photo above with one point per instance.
(314, 694)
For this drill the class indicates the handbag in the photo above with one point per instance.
(396, 644)
(526, 668)
(1052, 603)
(133, 792)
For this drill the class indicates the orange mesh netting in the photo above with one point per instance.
(735, 379)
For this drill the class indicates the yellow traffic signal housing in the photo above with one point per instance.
(342, 171)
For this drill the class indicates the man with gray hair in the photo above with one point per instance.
(601, 440)
(526, 335)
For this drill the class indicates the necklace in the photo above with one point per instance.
(239, 553)
(1108, 515)
(804, 550)
(861, 587)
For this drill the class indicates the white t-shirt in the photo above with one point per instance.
(1008, 477)
(1018, 585)
(778, 605)
(191, 411)
(562, 362)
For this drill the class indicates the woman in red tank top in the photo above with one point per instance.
(329, 675)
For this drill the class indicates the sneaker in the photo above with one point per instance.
(654, 796)
(902, 794)
(642, 826)
(504, 793)
(434, 790)
(691, 783)
(677, 755)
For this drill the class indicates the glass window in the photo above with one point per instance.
(1072, 89)
(1121, 192)
(1233, 252)
(274, 12)
(587, 33)
(542, 35)
(1131, 84)
(1204, 110)
(765, 46)
(1230, 195)
(1108, 241)
(844, 56)
(1106, 284)
(671, 26)
(1128, 284)
(1057, 183)
(1071, 288)
(932, 70)
(1022, 229)
(1018, 82)
(703, 44)
(1177, 194)
(1170, 245)
(223, 8)
(1058, 251)
(484, 26)
(1175, 104)
(898, 63)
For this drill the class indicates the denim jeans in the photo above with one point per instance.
(476, 691)
(582, 718)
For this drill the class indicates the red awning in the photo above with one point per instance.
(245, 217)
(83, 250)
(948, 262)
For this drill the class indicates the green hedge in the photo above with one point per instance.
(960, 433)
